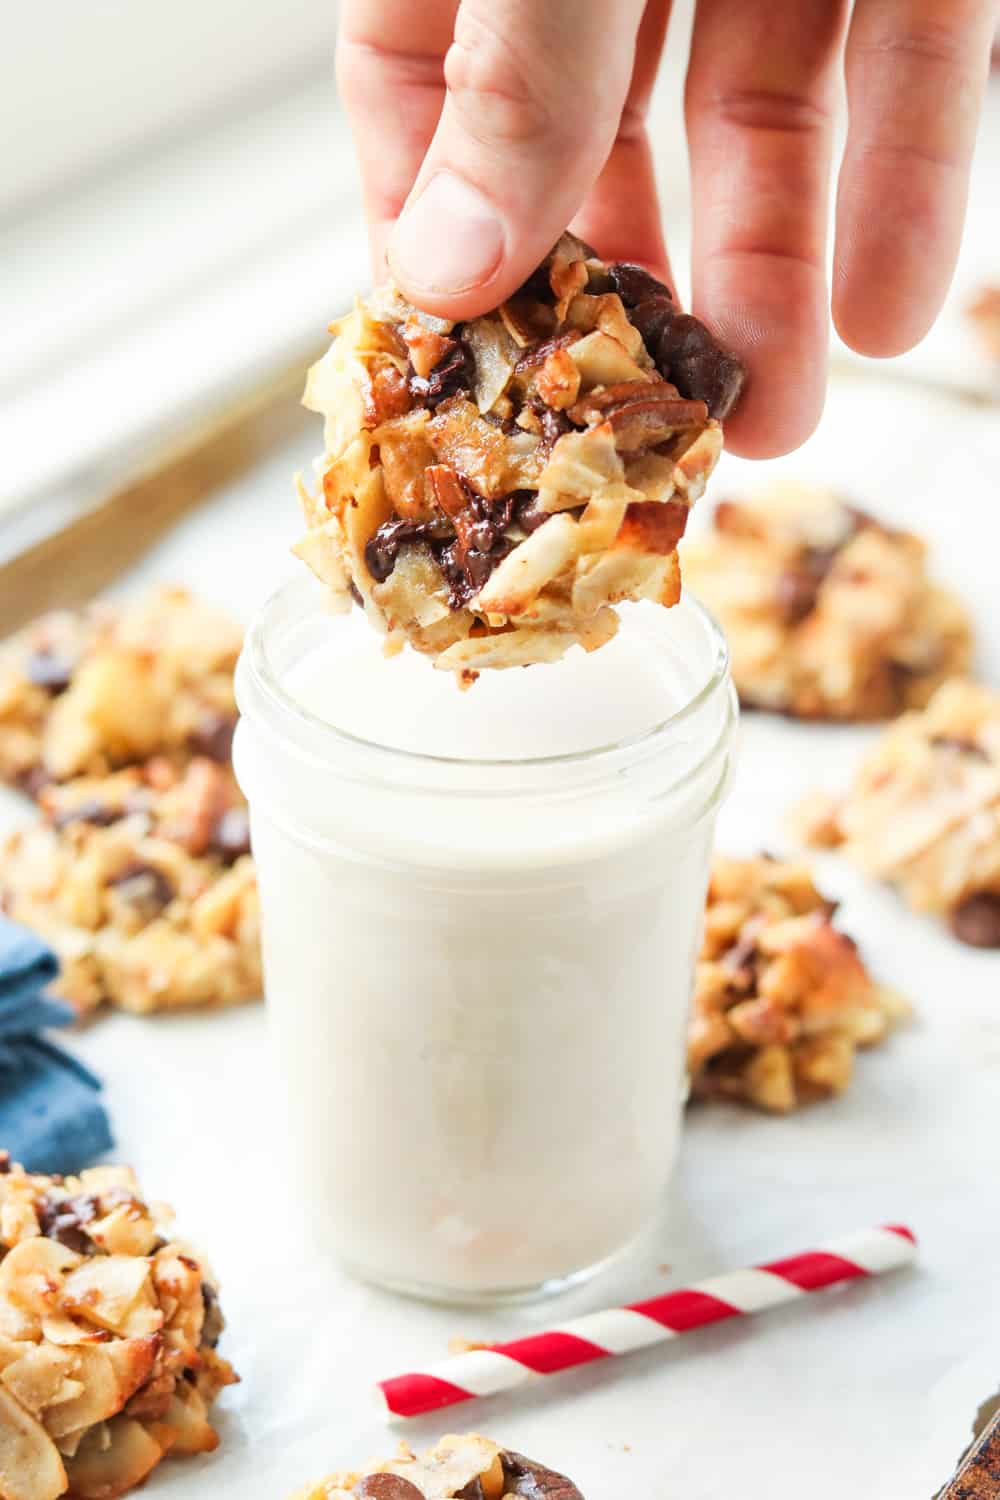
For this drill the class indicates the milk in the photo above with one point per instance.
(480, 923)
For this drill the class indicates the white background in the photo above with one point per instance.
(865, 1393)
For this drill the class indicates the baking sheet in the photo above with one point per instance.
(865, 1392)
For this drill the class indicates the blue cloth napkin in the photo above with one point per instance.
(51, 1118)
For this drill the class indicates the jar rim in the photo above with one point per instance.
(292, 598)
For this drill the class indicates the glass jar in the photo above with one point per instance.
(478, 970)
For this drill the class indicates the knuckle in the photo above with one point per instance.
(770, 110)
(929, 42)
(497, 93)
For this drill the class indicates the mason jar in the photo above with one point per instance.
(481, 913)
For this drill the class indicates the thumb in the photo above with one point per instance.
(534, 102)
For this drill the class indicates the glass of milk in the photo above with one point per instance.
(481, 912)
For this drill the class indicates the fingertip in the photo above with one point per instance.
(753, 432)
(781, 336)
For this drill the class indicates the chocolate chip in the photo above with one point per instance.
(388, 1487)
(534, 1481)
(962, 743)
(355, 593)
(682, 348)
(213, 736)
(382, 550)
(63, 1219)
(976, 920)
(50, 670)
(144, 887)
(33, 781)
(688, 355)
(213, 1322)
(798, 586)
(4, 1163)
(89, 810)
(472, 1491)
(231, 834)
(635, 284)
(527, 512)
(453, 375)
(796, 593)
(553, 423)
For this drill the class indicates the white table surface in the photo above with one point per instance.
(865, 1393)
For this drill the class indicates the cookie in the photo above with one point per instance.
(829, 613)
(108, 1334)
(782, 998)
(923, 811)
(142, 882)
(83, 693)
(459, 1468)
(491, 489)
(985, 315)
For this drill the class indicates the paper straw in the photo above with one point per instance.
(620, 1330)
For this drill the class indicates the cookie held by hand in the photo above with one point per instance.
(491, 490)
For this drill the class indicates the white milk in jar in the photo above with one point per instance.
(481, 911)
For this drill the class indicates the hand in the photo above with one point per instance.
(485, 127)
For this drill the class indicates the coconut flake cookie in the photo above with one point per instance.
(459, 1468)
(829, 613)
(84, 692)
(923, 811)
(782, 998)
(108, 1330)
(491, 489)
(143, 883)
(985, 315)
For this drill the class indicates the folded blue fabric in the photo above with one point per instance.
(51, 1118)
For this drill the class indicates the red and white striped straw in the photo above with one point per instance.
(619, 1330)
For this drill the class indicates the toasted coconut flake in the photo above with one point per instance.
(601, 360)
(30, 1466)
(523, 572)
(582, 463)
(652, 527)
(103, 1472)
(495, 354)
(508, 648)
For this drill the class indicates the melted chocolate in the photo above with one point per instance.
(466, 556)
(453, 375)
(63, 1220)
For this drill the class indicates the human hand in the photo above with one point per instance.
(484, 127)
